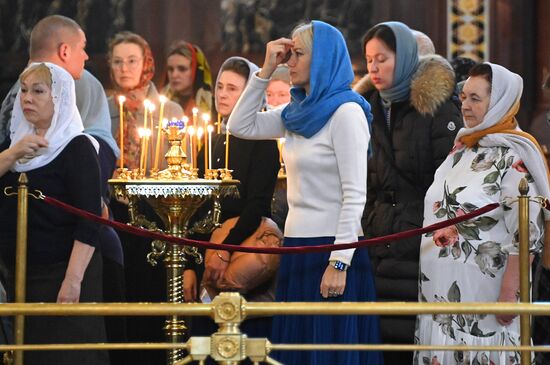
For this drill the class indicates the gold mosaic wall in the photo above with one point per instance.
(468, 29)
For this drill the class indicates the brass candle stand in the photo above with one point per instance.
(175, 194)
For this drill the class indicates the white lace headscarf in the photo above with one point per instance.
(66, 121)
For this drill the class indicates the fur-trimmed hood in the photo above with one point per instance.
(432, 84)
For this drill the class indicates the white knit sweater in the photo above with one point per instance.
(326, 174)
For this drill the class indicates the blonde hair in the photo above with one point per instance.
(304, 32)
(41, 71)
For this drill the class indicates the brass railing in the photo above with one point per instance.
(229, 345)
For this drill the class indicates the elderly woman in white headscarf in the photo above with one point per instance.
(47, 143)
(477, 260)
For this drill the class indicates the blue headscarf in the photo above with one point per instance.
(406, 62)
(331, 75)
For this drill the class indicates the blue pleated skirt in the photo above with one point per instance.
(299, 280)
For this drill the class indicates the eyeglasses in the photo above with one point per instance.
(131, 63)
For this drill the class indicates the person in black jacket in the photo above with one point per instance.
(63, 264)
(255, 163)
(414, 126)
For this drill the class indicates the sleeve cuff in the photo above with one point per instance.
(258, 81)
(342, 255)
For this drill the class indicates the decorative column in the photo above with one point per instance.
(468, 29)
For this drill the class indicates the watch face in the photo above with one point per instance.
(339, 265)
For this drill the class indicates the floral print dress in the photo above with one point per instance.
(466, 262)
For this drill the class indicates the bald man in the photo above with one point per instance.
(60, 40)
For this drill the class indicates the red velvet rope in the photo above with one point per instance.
(273, 250)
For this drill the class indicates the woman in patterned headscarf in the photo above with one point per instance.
(189, 81)
(132, 68)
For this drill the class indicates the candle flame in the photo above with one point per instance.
(152, 107)
(163, 99)
(200, 131)
(146, 103)
(185, 119)
(206, 117)
(191, 130)
(121, 99)
(210, 128)
(195, 111)
(141, 132)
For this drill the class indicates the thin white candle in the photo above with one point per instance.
(121, 100)
(141, 134)
(148, 132)
(185, 121)
(162, 100)
(191, 132)
(151, 125)
(198, 136)
(195, 112)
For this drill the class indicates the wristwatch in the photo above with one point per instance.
(338, 265)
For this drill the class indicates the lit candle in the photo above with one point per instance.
(141, 133)
(219, 124)
(185, 121)
(195, 112)
(210, 129)
(147, 136)
(191, 132)
(199, 134)
(206, 119)
(149, 145)
(121, 100)
(145, 113)
(151, 126)
(162, 100)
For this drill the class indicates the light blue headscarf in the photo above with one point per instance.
(331, 75)
(406, 62)
(94, 110)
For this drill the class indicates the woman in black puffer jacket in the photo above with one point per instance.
(415, 122)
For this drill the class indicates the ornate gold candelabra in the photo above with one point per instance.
(175, 194)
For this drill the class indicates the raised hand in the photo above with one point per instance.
(276, 52)
(28, 145)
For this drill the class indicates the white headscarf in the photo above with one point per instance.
(252, 69)
(66, 121)
(506, 90)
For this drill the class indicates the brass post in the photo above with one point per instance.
(21, 263)
(175, 328)
(524, 268)
(228, 344)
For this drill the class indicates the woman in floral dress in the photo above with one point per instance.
(477, 260)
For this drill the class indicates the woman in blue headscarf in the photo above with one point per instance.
(415, 122)
(326, 131)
